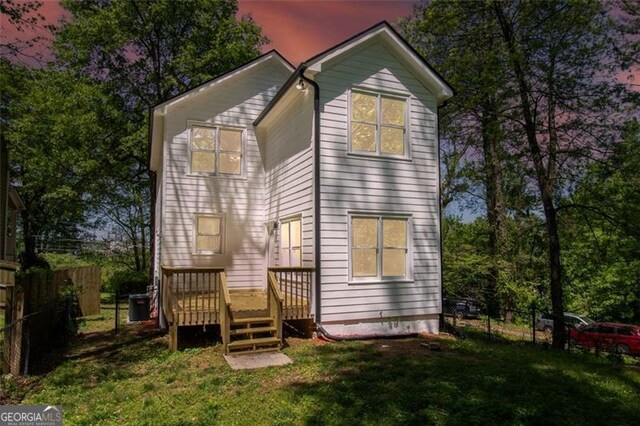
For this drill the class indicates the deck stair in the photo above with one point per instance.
(255, 334)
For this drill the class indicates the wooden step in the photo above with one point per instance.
(256, 351)
(241, 321)
(250, 343)
(237, 331)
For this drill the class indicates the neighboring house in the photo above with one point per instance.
(326, 175)
(10, 207)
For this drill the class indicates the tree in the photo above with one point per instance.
(557, 51)
(603, 230)
(60, 131)
(144, 52)
(472, 125)
(534, 78)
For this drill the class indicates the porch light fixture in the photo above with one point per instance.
(300, 85)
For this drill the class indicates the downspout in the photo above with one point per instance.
(439, 195)
(316, 188)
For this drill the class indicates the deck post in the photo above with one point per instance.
(173, 336)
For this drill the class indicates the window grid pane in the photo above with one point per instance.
(364, 107)
(393, 111)
(203, 161)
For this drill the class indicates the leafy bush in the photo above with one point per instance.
(126, 281)
(65, 260)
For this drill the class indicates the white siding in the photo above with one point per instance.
(240, 199)
(355, 183)
(289, 172)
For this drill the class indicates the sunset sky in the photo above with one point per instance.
(298, 29)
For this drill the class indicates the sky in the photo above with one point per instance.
(298, 29)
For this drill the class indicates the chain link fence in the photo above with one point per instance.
(29, 340)
(465, 317)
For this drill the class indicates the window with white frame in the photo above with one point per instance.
(291, 242)
(216, 150)
(379, 247)
(378, 124)
(208, 234)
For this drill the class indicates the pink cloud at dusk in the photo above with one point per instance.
(298, 29)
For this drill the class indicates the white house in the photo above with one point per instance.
(326, 175)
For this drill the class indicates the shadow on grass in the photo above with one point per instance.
(479, 383)
(103, 356)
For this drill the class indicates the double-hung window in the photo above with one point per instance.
(379, 247)
(216, 150)
(208, 234)
(291, 242)
(378, 124)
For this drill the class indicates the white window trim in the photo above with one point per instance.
(194, 234)
(408, 278)
(407, 124)
(286, 220)
(217, 127)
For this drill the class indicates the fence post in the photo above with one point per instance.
(117, 315)
(533, 322)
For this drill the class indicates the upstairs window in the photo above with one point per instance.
(208, 234)
(378, 124)
(291, 242)
(379, 247)
(216, 151)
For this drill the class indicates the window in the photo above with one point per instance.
(378, 124)
(379, 247)
(291, 242)
(216, 150)
(208, 234)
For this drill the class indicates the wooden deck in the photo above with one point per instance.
(200, 296)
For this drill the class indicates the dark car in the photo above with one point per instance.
(545, 322)
(607, 336)
(461, 308)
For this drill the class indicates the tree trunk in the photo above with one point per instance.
(495, 206)
(545, 182)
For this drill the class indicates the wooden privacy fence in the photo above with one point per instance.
(87, 280)
(7, 281)
(39, 314)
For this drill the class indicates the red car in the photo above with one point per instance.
(607, 336)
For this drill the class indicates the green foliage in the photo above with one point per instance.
(602, 260)
(521, 265)
(62, 261)
(126, 281)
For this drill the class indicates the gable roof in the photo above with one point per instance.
(383, 31)
(156, 112)
(270, 55)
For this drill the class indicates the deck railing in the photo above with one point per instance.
(295, 284)
(275, 300)
(190, 296)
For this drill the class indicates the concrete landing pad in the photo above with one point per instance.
(253, 361)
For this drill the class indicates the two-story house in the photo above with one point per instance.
(312, 194)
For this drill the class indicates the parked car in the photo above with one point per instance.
(545, 322)
(607, 336)
(461, 308)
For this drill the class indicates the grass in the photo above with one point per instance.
(132, 378)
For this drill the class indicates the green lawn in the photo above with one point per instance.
(133, 379)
